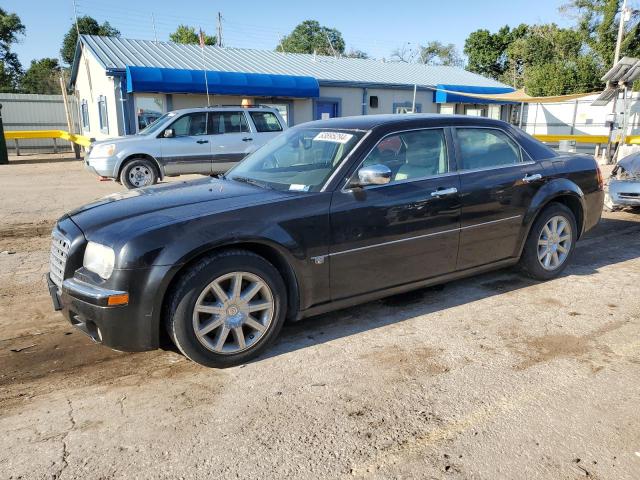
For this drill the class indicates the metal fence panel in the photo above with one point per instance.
(37, 112)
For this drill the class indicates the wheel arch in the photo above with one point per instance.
(561, 191)
(134, 156)
(270, 252)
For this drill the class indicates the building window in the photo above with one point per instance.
(102, 114)
(148, 109)
(447, 108)
(406, 107)
(84, 113)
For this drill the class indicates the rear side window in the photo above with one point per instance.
(486, 148)
(265, 122)
(227, 122)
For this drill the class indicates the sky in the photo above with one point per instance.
(373, 26)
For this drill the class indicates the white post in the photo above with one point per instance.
(623, 12)
(413, 105)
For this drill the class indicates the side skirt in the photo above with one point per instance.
(378, 294)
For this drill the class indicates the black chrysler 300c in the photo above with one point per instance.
(327, 215)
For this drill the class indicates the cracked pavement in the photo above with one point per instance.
(495, 376)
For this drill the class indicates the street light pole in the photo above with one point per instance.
(616, 58)
(623, 14)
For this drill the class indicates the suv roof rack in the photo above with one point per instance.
(239, 106)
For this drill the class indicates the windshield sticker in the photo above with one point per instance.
(337, 137)
(298, 188)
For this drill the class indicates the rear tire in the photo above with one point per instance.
(138, 173)
(550, 244)
(226, 309)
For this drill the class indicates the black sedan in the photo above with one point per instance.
(327, 215)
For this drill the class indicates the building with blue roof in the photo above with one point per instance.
(123, 84)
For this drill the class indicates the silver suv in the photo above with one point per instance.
(205, 140)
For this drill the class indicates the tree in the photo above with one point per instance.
(403, 54)
(11, 28)
(487, 52)
(355, 53)
(87, 26)
(436, 53)
(42, 77)
(310, 37)
(188, 35)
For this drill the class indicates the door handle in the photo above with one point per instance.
(202, 141)
(443, 192)
(247, 139)
(532, 178)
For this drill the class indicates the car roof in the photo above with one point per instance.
(223, 108)
(369, 122)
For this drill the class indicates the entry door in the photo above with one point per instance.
(326, 110)
(189, 151)
(232, 139)
(498, 182)
(401, 232)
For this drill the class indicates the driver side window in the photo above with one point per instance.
(411, 155)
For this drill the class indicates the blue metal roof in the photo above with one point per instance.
(172, 80)
(442, 96)
(115, 54)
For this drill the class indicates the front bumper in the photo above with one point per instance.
(624, 192)
(104, 167)
(124, 327)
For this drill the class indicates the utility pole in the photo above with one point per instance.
(219, 29)
(624, 14)
(153, 22)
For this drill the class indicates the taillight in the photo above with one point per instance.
(600, 179)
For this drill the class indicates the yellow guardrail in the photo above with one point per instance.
(62, 134)
(630, 140)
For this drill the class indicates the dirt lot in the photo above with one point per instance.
(491, 377)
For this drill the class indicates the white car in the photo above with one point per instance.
(624, 184)
(207, 140)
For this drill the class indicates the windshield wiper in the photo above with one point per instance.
(253, 182)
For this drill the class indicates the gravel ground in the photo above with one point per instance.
(491, 377)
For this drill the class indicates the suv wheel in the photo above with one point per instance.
(226, 309)
(551, 243)
(139, 172)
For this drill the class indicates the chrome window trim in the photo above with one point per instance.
(523, 152)
(345, 188)
(499, 167)
(401, 240)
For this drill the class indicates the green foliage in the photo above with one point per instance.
(310, 36)
(42, 77)
(356, 54)
(487, 52)
(11, 28)
(188, 35)
(87, 26)
(436, 53)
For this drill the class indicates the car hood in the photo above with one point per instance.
(160, 204)
(631, 165)
(120, 141)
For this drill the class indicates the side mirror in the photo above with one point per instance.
(373, 175)
(169, 133)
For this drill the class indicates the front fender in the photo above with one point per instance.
(556, 188)
(129, 153)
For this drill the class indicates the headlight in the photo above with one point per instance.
(103, 150)
(99, 259)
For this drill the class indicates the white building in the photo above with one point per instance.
(121, 85)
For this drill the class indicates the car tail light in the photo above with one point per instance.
(600, 179)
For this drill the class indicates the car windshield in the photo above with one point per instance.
(156, 125)
(301, 159)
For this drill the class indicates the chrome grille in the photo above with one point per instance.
(59, 252)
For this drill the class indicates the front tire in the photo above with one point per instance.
(138, 173)
(550, 244)
(226, 309)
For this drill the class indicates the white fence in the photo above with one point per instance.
(37, 112)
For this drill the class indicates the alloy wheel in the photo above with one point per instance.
(554, 242)
(233, 312)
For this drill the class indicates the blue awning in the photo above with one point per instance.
(441, 96)
(170, 80)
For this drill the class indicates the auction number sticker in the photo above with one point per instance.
(336, 137)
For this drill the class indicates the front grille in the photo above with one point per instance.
(59, 253)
